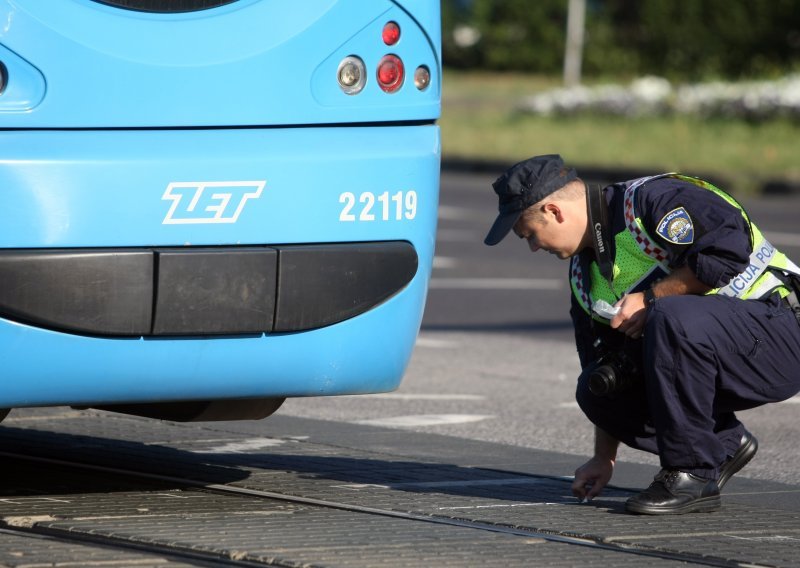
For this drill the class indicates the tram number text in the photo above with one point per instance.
(383, 207)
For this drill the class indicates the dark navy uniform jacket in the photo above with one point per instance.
(720, 250)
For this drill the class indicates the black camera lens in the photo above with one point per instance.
(602, 380)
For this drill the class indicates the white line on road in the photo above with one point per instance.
(44, 418)
(417, 420)
(783, 239)
(453, 483)
(498, 506)
(421, 396)
(498, 283)
(458, 235)
(455, 213)
(435, 343)
(242, 446)
(444, 262)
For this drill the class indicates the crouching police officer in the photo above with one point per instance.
(683, 313)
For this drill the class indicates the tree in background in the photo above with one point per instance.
(505, 34)
(719, 38)
(679, 39)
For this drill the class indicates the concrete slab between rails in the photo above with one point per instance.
(475, 453)
(427, 474)
(30, 550)
(211, 528)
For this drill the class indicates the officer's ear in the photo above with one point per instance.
(553, 211)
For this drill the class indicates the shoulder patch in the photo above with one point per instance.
(677, 227)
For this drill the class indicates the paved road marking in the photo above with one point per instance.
(444, 262)
(498, 283)
(423, 396)
(45, 418)
(455, 483)
(417, 420)
(27, 500)
(27, 522)
(423, 341)
(458, 236)
(242, 446)
(499, 506)
(783, 239)
(769, 538)
(692, 534)
(455, 213)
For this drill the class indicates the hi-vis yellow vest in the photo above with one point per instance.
(638, 256)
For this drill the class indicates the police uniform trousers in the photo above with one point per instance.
(705, 357)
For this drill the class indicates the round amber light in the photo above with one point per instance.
(422, 77)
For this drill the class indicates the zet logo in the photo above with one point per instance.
(209, 201)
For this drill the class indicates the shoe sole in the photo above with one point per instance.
(703, 505)
(741, 458)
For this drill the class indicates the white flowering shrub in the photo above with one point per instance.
(649, 96)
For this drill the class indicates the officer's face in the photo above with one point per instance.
(547, 230)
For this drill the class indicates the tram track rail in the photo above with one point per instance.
(233, 558)
(167, 552)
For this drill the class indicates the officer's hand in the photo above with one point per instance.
(592, 477)
(632, 315)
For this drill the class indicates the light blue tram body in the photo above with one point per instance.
(164, 138)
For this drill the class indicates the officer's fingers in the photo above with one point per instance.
(630, 329)
(627, 311)
(595, 489)
(635, 325)
(623, 324)
(617, 321)
(581, 483)
(578, 482)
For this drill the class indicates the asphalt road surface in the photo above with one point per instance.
(495, 360)
(467, 464)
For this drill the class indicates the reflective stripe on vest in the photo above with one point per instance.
(752, 283)
(761, 258)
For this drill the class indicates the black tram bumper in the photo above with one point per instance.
(200, 291)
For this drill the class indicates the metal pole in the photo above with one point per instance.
(573, 53)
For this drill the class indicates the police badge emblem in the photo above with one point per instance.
(677, 227)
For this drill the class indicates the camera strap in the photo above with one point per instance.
(598, 222)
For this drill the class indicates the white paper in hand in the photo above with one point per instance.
(604, 309)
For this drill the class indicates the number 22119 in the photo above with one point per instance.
(369, 207)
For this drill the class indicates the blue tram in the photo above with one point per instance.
(212, 205)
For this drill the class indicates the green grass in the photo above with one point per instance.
(480, 120)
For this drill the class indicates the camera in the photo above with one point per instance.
(612, 372)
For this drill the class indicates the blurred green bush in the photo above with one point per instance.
(682, 40)
(483, 119)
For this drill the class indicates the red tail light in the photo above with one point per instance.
(391, 33)
(390, 73)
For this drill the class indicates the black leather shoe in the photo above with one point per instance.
(747, 449)
(676, 493)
